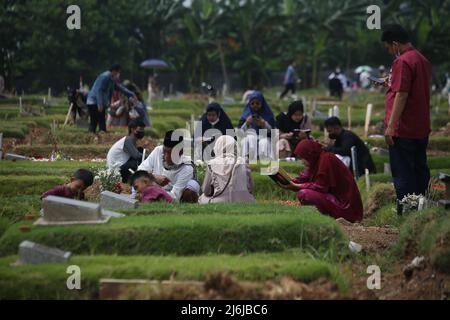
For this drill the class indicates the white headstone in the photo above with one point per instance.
(113, 200)
(64, 211)
(12, 156)
(367, 180)
(368, 118)
(336, 111)
(33, 253)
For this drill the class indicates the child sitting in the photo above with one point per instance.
(147, 189)
(80, 180)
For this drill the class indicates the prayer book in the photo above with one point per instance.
(281, 177)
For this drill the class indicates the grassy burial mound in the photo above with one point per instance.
(426, 233)
(191, 234)
(49, 281)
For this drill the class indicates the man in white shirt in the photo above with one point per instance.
(175, 178)
(124, 154)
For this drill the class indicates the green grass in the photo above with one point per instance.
(13, 208)
(28, 185)
(436, 162)
(49, 281)
(220, 208)
(32, 168)
(33, 181)
(426, 233)
(387, 178)
(435, 143)
(193, 234)
(74, 151)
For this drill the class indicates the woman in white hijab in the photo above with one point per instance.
(228, 178)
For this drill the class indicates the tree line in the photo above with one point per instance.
(251, 37)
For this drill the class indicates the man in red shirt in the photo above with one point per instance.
(407, 120)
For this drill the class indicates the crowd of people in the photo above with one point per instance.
(327, 182)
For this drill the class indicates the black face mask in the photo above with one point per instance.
(139, 134)
(333, 136)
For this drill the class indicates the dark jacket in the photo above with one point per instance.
(343, 146)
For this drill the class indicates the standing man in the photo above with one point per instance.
(289, 80)
(99, 97)
(407, 120)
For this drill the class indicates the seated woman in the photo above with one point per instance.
(326, 183)
(215, 118)
(293, 127)
(257, 115)
(228, 177)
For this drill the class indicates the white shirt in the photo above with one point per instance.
(116, 156)
(178, 177)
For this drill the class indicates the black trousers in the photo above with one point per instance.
(287, 88)
(96, 118)
(410, 171)
(130, 164)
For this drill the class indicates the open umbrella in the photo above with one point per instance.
(361, 69)
(154, 64)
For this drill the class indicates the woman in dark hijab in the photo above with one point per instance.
(326, 183)
(294, 127)
(257, 115)
(215, 118)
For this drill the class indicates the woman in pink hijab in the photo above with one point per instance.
(327, 183)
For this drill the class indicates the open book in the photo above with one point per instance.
(281, 177)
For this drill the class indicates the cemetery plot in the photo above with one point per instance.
(48, 281)
(189, 234)
(190, 244)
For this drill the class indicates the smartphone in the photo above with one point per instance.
(376, 80)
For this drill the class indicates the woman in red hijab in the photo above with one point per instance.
(327, 183)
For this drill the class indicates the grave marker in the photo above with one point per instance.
(336, 111)
(1, 145)
(368, 118)
(113, 200)
(354, 162)
(367, 180)
(14, 157)
(34, 253)
(349, 117)
(63, 211)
